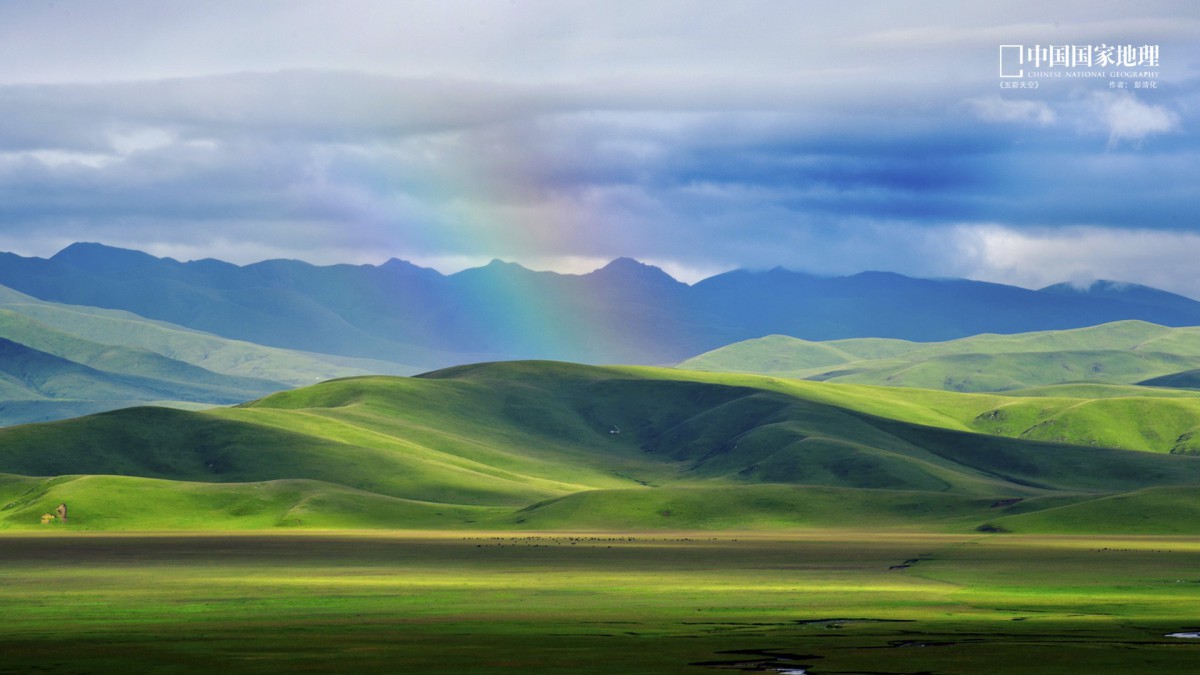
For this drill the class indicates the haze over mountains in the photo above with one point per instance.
(625, 312)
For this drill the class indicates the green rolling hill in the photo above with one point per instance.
(39, 386)
(47, 374)
(117, 328)
(133, 503)
(1126, 513)
(1188, 379)
(1116, 416)
(553, 445)
(60, 361)
(1124, 352)
(29, 373)
(127, 361)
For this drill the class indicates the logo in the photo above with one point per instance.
(1023, 60)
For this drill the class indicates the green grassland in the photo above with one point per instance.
(1118, 416)
(147, 504)
(122, 360)
(1188, 379)
(60, 361)
(543, 445)
(1123, 352)
(554, 518)
(74, 331)
(826, 602)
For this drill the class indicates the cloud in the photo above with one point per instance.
(774, 133)
(1128, 119)
(996, 109)
(1057, 24)
(317, 165)
(1082, 254)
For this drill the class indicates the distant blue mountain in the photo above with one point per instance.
(1124, 292)
(625, 312)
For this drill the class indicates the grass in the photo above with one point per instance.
(540, 444)
(1115, 416)
(1117, 514)
(760, 508)
(76, 360)
(122, 360)
(123, 503)
(1123, 352)
(570, 519)
(1189, 379)
(840, 601)
(132, 504)
(57, 327)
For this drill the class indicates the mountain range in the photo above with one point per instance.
(1085, 424)
(625, 312)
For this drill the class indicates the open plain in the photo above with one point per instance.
(829, 601)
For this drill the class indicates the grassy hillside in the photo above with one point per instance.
(541, 444)
(1189, 379)
(1134, 418)
(1124, 352)
(178, 445)
(39, 374)
(60, 361)
(764, 507)
(46, 374)
(116, 328)
(128, 503)
(35, 374)
(1163, 510)
(123, 360)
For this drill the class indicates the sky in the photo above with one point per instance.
(698, 136)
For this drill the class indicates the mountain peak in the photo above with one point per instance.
(496, 267)
(877, 275)
(89, 248)
(96, 257)
(498, 264)
(1099, 287)
(396, 265)
(1121, 290)
(628, 268)
(623, 263)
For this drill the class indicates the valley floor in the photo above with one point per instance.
(688, 602)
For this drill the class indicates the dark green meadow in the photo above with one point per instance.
(827, 602)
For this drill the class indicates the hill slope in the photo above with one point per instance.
(130, 361)
(120, 359)
(117, 328)
(1123, 352)
(1188, 379)
(39, 386)
(490, 440)
(47, 374)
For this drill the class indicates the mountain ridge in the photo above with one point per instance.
(624, 312)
